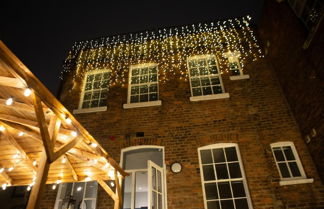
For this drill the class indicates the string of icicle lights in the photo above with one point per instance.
(169, 48)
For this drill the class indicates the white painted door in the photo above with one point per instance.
(155, 186)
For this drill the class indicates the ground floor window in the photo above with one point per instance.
(144, 188)
(223, 180)
(79, 195)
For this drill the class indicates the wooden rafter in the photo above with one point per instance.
(119, 201)
(11, 82)
(6, 177)
(74, 174)
(66, 147)
(107, 189)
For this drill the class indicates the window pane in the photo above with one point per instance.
(78, 190)
(144, 98)
(278, 154)
(88, 86)
(159, 181)
(195, 82)
(217, 89)
(90, 78)
(153, 97)
(103, 94)
(144, 89)
(224, 190)
(283, 170)
(102, 102)
(87, 96)
(201, 62)
(221, 171)
(207, 90)
(215, 80)
(288, 153)
(153, 178)
(206, 156)
(135, 80)
(234, 169)
(141, 189)
(153, 88)
(294, 169)
(135, 90)
(90, 204)
(127, 192)
(86, 104)
(66, 190)
(194, 72)
(211, 61)
(105, 76)
(213, 70)
(96, 85)
(213, 205)
(135, 72)
(160, 201)
(95, 95)
(208, 171)
(192, 63)
(196, 91)
(227, 204)
(241, 204)
(94, 103)
(153, 78)
(203, 71)
(91, 189)
(144, 79)
(219, 155)
(154, 200)
(98, 77)
(134, 99)
(238, 189)
(153, 69)
(211, 191)
(144, 71)
(231, 154)
(205, 81)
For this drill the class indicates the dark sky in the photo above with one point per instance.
(42, 34)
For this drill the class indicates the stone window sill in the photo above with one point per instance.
(142, 104)
(239, 77)
(89, 110)
(209, 97)
(296, 181)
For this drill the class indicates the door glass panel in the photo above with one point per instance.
(89, 204)
(141, 189)
(154, 178)
(127, 192)
(91, 189)
(78, 191)
(159, 181)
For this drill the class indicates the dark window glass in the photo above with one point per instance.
(207, 90)
(217, 89)
(106, 76)
(135, 90)
(194, 72)
(144, 71)
(294, 169)
(143, 98)
(218, 155)
(224, 190)
(203, 71)
(238, 189)
(95, 95)
(195, 82)
(98, 77)
(102, 103)
(153, 70)
(234, 170)
(215, 80)
(153, 97)
(231, 154)
(87, 96)
(94, 103)
(86, 104)
(241, 204)
(201, 62)
(208, 171)
(103, 94)
(211, 191)
(88, 86)
(104, 84)
(153, 88)
(153, 78)
(205, 81)
(221, 171)
(90, 78)
(213, 70)
(213, 205)
(278, 154)
(134, 98)
(211, 61)
(144, 79)
(227, 204)
(96, 85)
(144, 89)
(196, 91)
(288, 153)
(192, 63)
(135, 80)
(206, 156)
(284, 170)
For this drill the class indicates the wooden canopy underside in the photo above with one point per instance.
(38, 127)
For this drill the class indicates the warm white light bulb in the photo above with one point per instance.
(68, 120)
(21, 133)
(1, 170)
(54, 186)
(112, 184)
(63, 160)
(58, 181)
(74, 133)
(88, 179)
(79, 189)
(34, 163)
(28, 188)
(4, 186)
(27, 92)
(94, 145)
(2, 128)
(9, 101)
(10, 169)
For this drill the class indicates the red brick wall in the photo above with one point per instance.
(255, 115)
(300, 72)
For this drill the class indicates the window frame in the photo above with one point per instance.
(127, 149)
(219, 75)
(297, 160)
(243, 178)
(91, 109)
(142, 104)
(234, 57)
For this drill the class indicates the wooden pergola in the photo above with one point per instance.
(40, 140)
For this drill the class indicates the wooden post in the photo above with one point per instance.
(40, 183)
(119, 200)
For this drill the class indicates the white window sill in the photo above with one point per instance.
(209, 97)
(296, 181)
(89, 110)
(239, 77)
(142, 104)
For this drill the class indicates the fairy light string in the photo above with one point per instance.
(168, 47)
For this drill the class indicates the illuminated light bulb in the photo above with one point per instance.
(1, 170)
(34, 163)
(28, 188)
(34, 178)
(95, 161)
(27, 92)
(63, 160)
(4, 186)
(79, 189)
(68, 120)
(58, 181)
(2, 128)
(21, 133)
(106, 166)
(32, 184)
(9, 101)
(88, 178)
(112, 184)
(94, 145)
(54, 186)
(74, 133)
(111, 174)
(15, 156)
(10, 169)
(64, 137)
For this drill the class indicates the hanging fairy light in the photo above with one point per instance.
(4, 186)
(9, 101)
(27, 92)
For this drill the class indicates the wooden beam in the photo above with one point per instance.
(24, 122)
(118, 190)
(43, 128)
(39, 186)
(66, 147)
(11, 82)
(107, 189)
(74, 174)
(6, 177)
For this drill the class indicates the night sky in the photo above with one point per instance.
(42, 34)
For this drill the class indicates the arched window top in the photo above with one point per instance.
(218, 145)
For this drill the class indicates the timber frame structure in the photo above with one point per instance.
(40, 140)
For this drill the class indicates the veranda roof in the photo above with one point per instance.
(40, 140)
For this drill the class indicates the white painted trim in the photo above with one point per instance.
(224, 145)
(142, 104)
(299, 164)
(239, 77)
(209, 97)
(296, 181)
(89, 110)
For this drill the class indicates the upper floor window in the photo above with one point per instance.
(143, 88)
(234, 65)
(223, 179)
(77, 195)
(95, 89)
